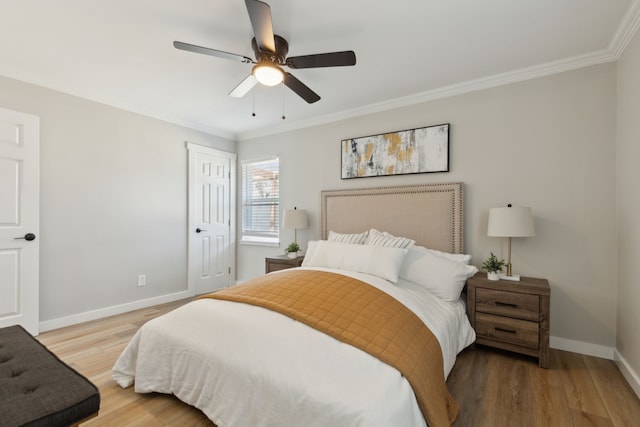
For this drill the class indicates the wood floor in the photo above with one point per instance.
(493, 388)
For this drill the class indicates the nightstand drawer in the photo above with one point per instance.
(277, 267)
(514, 331)
(511, 304)
(282, 263)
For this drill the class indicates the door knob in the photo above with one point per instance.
(29, 237)
(199, 230)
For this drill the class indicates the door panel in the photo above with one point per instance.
(9, 287)
(205, 257)
(19, 200)
(221, 259)
(10, 192)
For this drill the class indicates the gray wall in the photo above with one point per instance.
(113, 201)
(628, 342)
(547, 143)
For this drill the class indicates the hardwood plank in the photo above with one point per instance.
(475, 389)
(493, 387)
(549, 401)
(582, 395)
(465, 383)
(515, 394)
(503, 389)
(615, 392)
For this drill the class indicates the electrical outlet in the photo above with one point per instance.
(142, 279)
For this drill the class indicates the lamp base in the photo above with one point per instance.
(513, 278)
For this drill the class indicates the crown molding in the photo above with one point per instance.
(520, 75)
(626, 30)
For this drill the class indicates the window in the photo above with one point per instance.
(261, 202)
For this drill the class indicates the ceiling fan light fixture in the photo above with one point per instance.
(268, 74)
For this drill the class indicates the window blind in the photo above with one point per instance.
(261, 201)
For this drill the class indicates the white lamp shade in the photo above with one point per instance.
(511, 221)
(295, 218)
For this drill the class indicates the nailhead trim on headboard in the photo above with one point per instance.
(421, 197)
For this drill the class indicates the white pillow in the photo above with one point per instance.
(311, 248)
(375, 260)
(443, 277)
(453, 257)
(378, 238)
(354, 239)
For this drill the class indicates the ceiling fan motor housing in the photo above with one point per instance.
(278, 57)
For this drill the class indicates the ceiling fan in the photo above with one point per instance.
(271, 55)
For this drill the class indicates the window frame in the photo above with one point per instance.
(271, 237)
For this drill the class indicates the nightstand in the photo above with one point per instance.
(282, 262)
(510, 315)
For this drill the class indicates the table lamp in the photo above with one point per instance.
(512, 221)
(295, 218)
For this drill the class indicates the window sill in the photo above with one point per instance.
(259, 243)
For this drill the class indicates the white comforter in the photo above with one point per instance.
(244, 365)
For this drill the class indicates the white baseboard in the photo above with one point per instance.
(629, 374)
(589, 349)
(61, 322)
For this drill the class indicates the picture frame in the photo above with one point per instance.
(411, 151)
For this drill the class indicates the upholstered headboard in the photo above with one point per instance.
(431, 214)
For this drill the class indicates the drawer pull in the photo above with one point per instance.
(506, 304)
(509, 331)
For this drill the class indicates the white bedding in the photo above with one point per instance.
(244, 365)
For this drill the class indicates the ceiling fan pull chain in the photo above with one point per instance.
(283, 94)
(253, 96)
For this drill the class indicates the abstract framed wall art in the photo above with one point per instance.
(422, 150)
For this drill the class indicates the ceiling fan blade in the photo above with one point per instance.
(260, 16)
(211, 52)
(300, 88)
(244, 87)
(333, 59)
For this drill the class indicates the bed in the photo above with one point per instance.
(246, 365)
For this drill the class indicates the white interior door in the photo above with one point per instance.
(19, 220)
(211, 213)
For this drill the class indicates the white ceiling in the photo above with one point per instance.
(120, 52)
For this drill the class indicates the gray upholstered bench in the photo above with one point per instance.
(37, 388)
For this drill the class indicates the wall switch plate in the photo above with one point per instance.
(142, 279)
